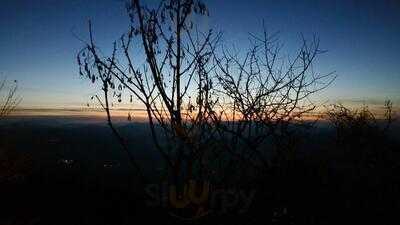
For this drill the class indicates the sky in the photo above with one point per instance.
(38, 43)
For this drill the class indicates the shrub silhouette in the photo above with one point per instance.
(361, 134)
(8, 98)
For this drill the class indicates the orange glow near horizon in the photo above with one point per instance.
(139, 115)
(90, 114)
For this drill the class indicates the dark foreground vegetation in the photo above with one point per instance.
(341, 172)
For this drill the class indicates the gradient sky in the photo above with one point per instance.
(38, 46)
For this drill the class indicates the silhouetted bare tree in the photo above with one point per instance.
(9, 100)
(202, 103)
(172, 82)
(264, 95)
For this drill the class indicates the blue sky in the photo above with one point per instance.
(38, 46)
